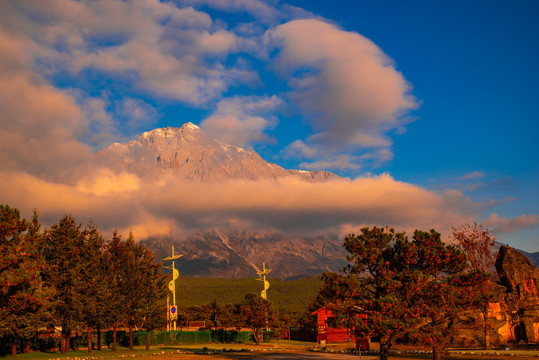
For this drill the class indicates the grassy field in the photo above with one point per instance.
(249, 351)
(288, 296)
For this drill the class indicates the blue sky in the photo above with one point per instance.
(438, 96)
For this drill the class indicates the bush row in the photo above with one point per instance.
(139, 338)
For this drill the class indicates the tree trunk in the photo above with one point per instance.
(68, 341)
(130, 337)
(27, 349)
(114, 338)
(89, 339)
(255, 335)
(147, 339)
(384, 349)
(436, 353)
(63, 343)
(99, 339)
(486, 327)
(13, 346)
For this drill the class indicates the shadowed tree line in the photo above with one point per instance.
(70, 277)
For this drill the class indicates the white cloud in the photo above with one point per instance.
(340, 162)
(260, 10)
(347, 87)
(163, 50)
(503, 225)
(242, 120)
(138, 113)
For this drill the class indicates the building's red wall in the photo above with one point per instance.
(333, 335)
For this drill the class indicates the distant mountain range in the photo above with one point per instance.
(189, 153)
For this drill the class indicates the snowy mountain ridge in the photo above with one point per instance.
(189, 153)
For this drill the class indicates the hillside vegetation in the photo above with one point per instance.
(288, 296)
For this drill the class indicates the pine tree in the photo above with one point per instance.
(63, 251)
(138, 283)
(256, 313)
(450, 289)
(95, 291)
(379, 281)
(23, 297)
(115, 250)
(153, 290)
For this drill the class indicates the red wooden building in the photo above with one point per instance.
(328, 335)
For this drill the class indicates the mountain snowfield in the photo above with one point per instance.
(187, 152)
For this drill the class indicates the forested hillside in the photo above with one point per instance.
(288, 296)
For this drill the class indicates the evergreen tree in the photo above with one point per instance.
(450, 289)
(23, 297)
(115, 250)
(95, 291)
(256, 313)
(63, 251)
(138, 283)
(382, 281)
(153, 290)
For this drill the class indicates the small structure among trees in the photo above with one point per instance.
(328, 334)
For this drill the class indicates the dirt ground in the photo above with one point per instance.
(301, 352)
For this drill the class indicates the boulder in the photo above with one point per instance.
(519, 306)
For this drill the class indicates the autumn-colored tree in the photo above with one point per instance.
(23, 297)
(478, 243)
(256, 313)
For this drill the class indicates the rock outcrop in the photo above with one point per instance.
(513, 313)
(515, 318)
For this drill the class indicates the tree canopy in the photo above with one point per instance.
(23, 296)
(399, 284)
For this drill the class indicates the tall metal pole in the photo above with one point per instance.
(168, 313)
(264, 293)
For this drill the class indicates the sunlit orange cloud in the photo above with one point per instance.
(508, 225)
(172, 206)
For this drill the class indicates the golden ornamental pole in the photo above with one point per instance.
(263, 273)
(264, 293)
(173, 310)
(168, 313)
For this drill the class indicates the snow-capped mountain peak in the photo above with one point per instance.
(189, 153)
